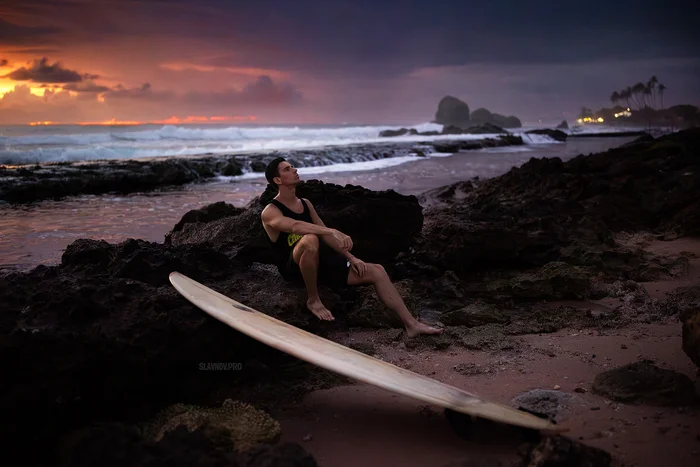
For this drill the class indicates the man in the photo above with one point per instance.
(307, 251)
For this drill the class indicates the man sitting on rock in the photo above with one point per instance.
(307, 251)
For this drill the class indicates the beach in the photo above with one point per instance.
(548, 264)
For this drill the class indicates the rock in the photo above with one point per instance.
(690, 317)
(563, 125)
(116, 445)
(550, 404)
(233, 168)
(554, 134)
(245, 425)
(451, 130)
(547, 210)
(107, 325)
(452, 111)
(555, 280)
(484, 128)
(559, 451)
(372, 313)
(400, 132)
(355, 211)
(645, 383)
(476, 314)
(482, 115)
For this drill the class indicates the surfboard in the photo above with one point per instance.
(349, 362)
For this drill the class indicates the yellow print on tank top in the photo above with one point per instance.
(292, 238)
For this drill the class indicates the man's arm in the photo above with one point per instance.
(329, 239)
(273, 217)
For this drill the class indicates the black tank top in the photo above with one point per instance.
(286, 241)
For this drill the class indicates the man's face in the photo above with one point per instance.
(288, 174)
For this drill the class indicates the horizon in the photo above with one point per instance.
(72, 61)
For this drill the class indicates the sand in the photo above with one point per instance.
(364, 425)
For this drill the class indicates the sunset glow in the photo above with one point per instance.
(168, 121)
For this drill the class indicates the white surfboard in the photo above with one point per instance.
(346, 361)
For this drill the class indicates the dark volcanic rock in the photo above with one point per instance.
(686, 302)
(559, 451)
(54, 182)
(547, 210)
(476, 314)
(554, 134)
(118, 445)
(452, 111)
(400, 132)
(644, 382)
(554, 280)
(355, 211)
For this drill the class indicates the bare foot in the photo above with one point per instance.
(319, 310)
(420, 328)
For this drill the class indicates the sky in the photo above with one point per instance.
(335, 61)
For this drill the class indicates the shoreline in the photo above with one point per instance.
(57, 180)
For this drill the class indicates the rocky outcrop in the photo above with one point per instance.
(554, 134)
(563, 125)
(646, 383)
(452, 111)
(686, 302)
(355, 211)
(547, 210)
(481, 116)
(118, 445)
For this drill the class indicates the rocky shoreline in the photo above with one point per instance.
(101, 346)
(25, 184)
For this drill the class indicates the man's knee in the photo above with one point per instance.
(308, 244)
(377, 271)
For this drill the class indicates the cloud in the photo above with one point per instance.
(3, 62)
(143, 92)
(85, 86)
(14, 34)
(40, 71)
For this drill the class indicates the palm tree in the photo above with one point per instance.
(626, 94)
(615, 97)
(661, 88)
(638, 91)
(651, 84)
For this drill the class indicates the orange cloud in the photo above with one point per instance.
(247, 71)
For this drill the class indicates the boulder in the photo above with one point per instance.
(452, 111)
(556, 135)
(355, 211)
(646, 383)
(400, 132)
(560, 451)
(475, 314)
(554, 281)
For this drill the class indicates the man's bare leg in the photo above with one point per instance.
(376, 274)
(306, 256)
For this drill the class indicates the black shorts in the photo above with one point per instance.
(333, 268)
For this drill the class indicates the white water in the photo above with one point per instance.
(29, 145)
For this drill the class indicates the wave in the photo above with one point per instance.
(174, 141)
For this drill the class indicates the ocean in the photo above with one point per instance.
(39, 232)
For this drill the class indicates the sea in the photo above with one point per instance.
(38, 233)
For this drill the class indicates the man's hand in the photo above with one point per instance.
(358, 266)
(344, 241)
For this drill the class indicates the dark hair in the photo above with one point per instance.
(272, 171)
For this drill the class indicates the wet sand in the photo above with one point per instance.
(364, 425)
